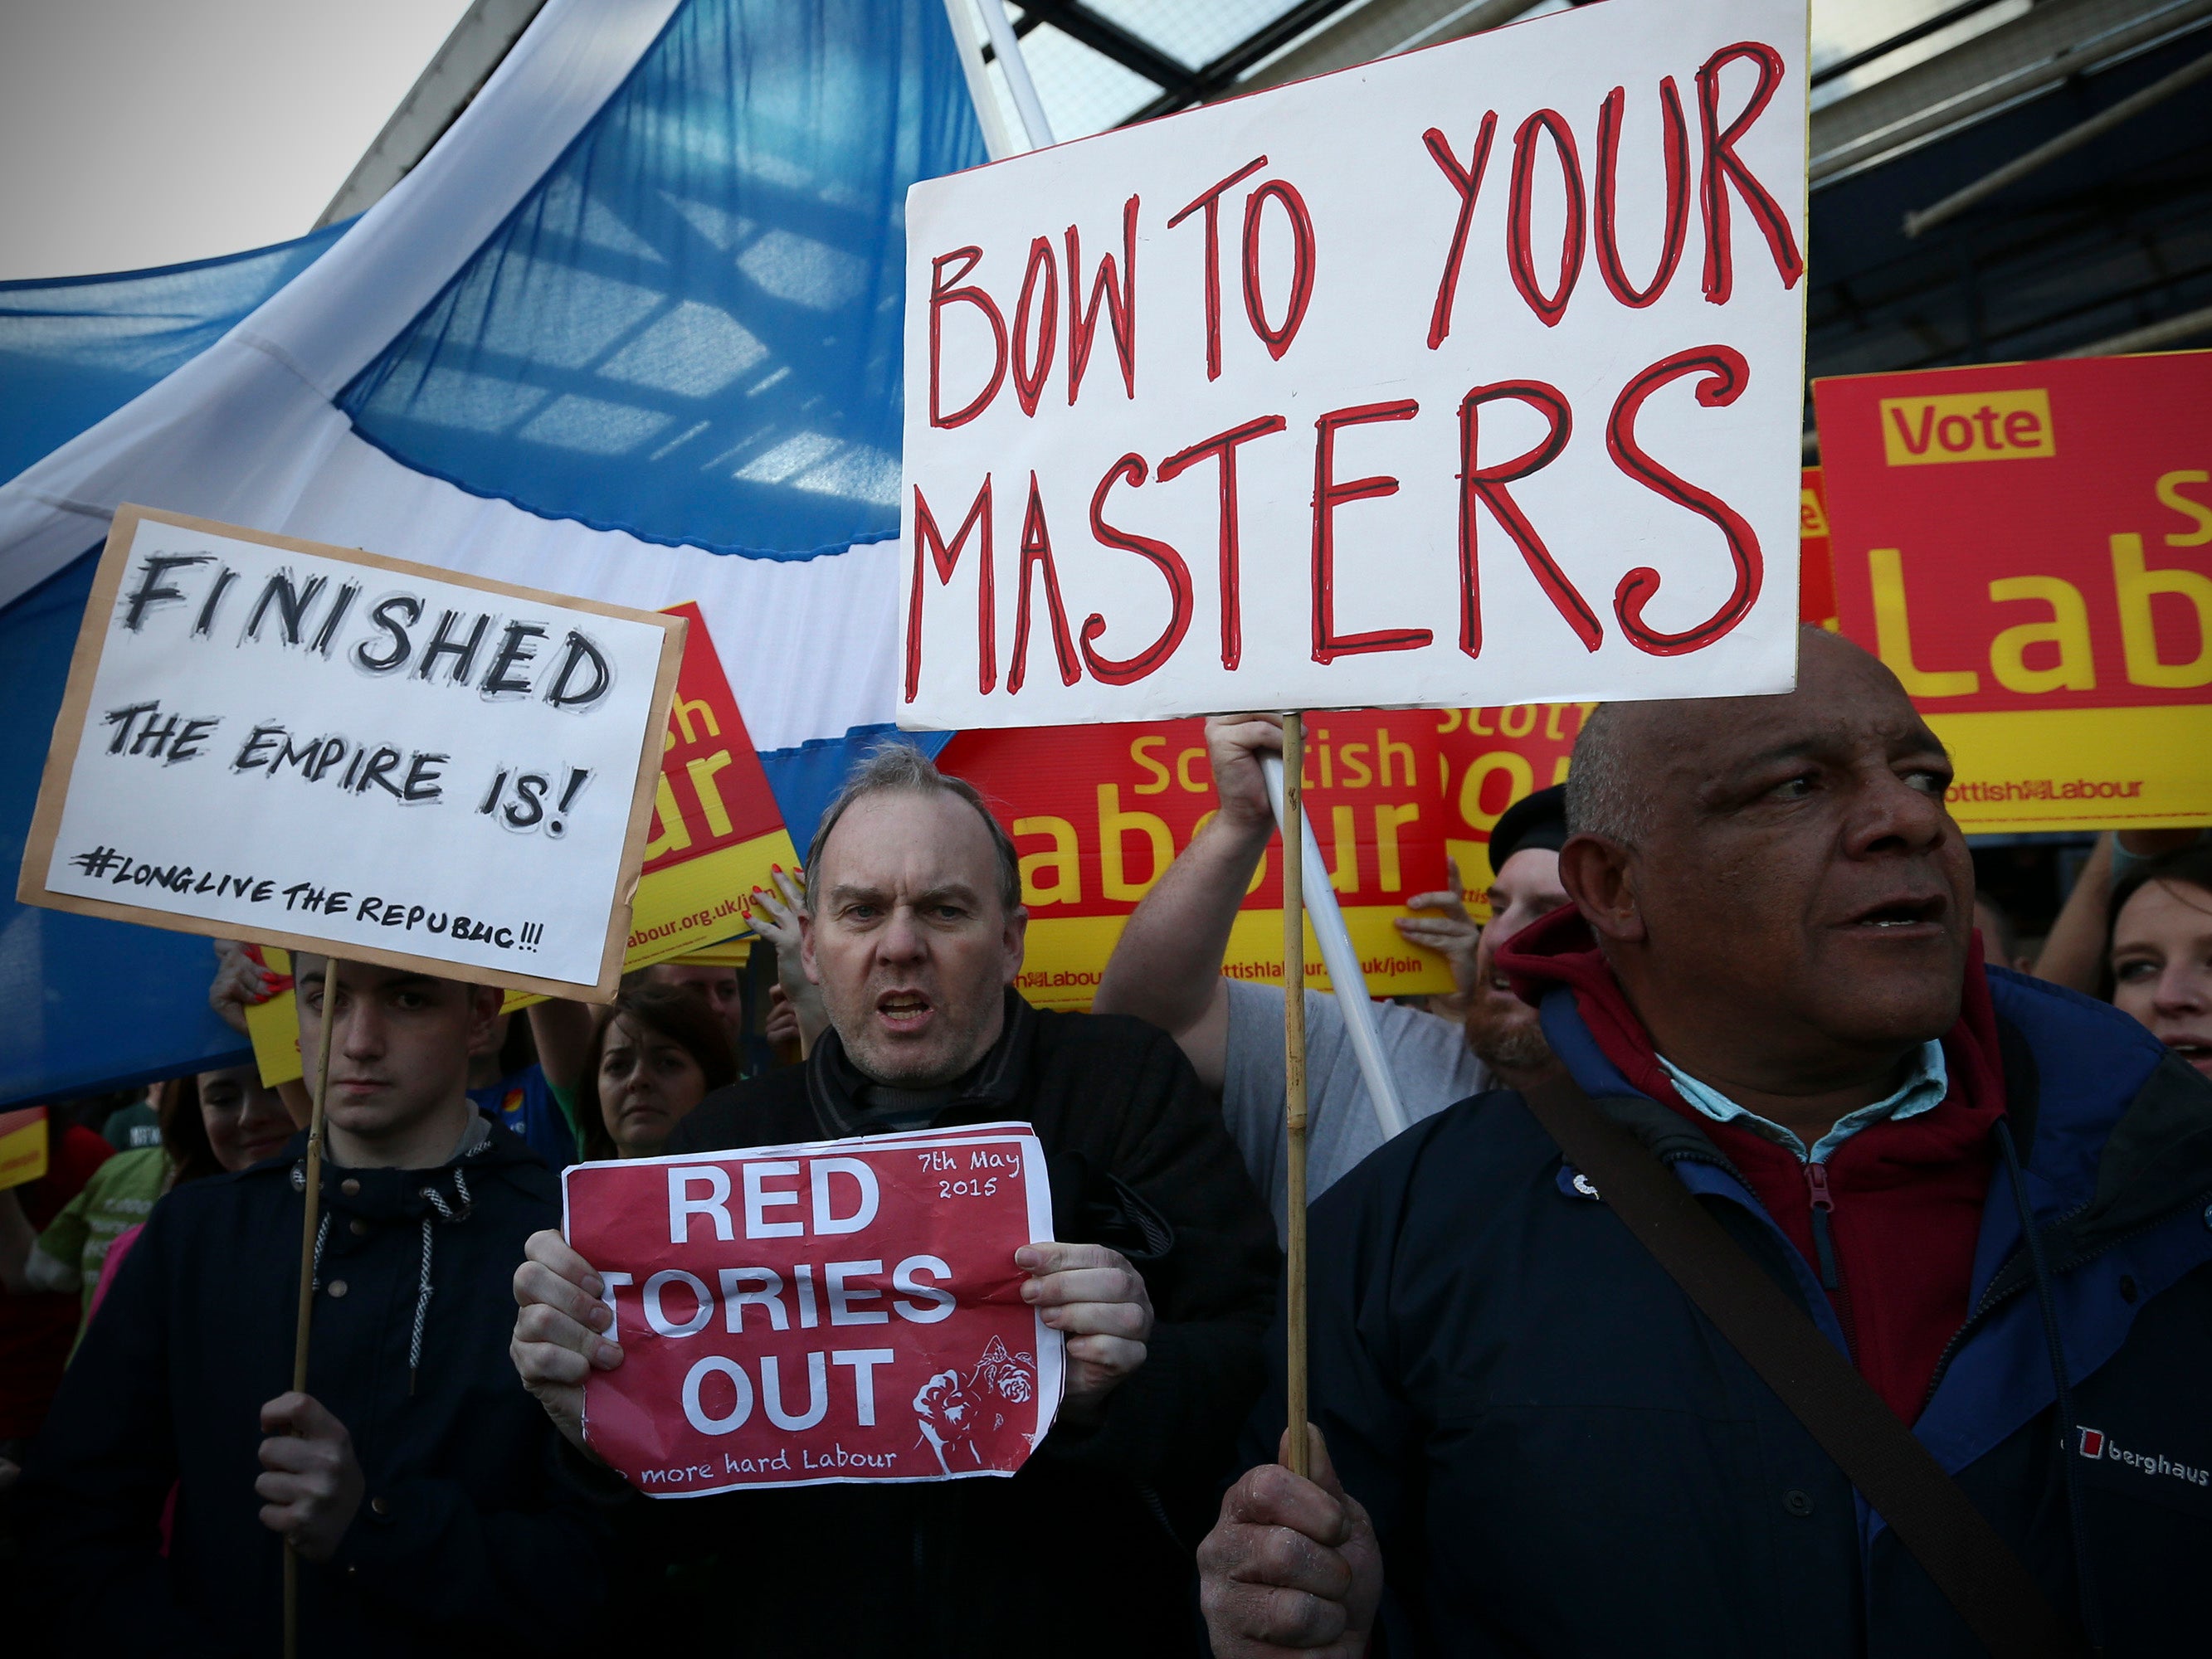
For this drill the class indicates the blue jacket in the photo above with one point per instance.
(1561, 1456)
(465, 1543)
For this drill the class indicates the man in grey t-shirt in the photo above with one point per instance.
(1167, 968)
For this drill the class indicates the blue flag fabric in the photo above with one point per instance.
(670, 371)
(690, 328)
(74, 349)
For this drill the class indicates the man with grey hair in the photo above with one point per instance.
(1163, 1278)
(1603, 796)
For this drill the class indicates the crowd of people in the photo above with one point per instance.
(1745, 935)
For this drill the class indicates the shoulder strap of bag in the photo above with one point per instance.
(1977, 1571)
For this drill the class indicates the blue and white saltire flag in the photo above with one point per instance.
(630, 331)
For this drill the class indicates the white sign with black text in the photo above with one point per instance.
(274, 740)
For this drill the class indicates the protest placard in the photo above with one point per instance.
(2029, 547)
(1816, 569)
(1471, 376)
(269, 739)
(1493, 757)
(23, 1138)
(1098, 814)
(717, 830)
(844, 1310)
(716, 834)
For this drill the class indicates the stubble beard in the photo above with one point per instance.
(884, 1061)
(1505, 1034)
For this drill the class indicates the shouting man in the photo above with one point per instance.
(1162, 1282)
(1539, 1443)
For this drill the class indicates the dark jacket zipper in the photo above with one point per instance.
(1825, 1204)
(1824, 1247)
(1824, 1207)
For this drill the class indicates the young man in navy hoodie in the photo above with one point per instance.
(413, 1476)
(1769, 977)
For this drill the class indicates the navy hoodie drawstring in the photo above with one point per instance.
(446, 1213)
(2069, 1432)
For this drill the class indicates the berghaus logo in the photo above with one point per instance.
(2096, 1444)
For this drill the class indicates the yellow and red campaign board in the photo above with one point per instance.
(716, 828)
(1816, 569)
(1492, 757)
(22, 1145)
(2029, 547)
(715, 834)
(1098, 812)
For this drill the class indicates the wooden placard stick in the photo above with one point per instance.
(310, 1220)
(1294, 1082)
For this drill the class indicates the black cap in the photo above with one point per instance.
(1538, 820)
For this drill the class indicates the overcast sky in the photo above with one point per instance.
(146, 132)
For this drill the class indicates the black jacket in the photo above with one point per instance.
(466, 1542)
(1561, 1456)
(1088, 1549)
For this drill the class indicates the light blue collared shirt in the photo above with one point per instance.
(1922, 1091)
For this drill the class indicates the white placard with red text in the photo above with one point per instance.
(834, 1311)
(1470, 376)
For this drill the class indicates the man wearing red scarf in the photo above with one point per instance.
(1533, 1441)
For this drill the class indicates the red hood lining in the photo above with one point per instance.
(1560, 949)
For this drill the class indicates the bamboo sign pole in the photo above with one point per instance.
(310, 1220)
(1294, 1083)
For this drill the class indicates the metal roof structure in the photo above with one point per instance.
(1991, 179)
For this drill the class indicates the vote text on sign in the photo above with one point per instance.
(833, 1311)
(274, 740)
(1470, 376)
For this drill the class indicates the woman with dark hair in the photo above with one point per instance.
(2161, 957)
(658, 1052)
(220, 1120)
(210, 1122)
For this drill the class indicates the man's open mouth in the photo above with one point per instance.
(903, 1010)
(1900, 914)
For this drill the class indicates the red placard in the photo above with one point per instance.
(833, 1311)
(713, 792)
(2029, 547)
(1493, 757)
(1816, 569)
(2065, 502)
